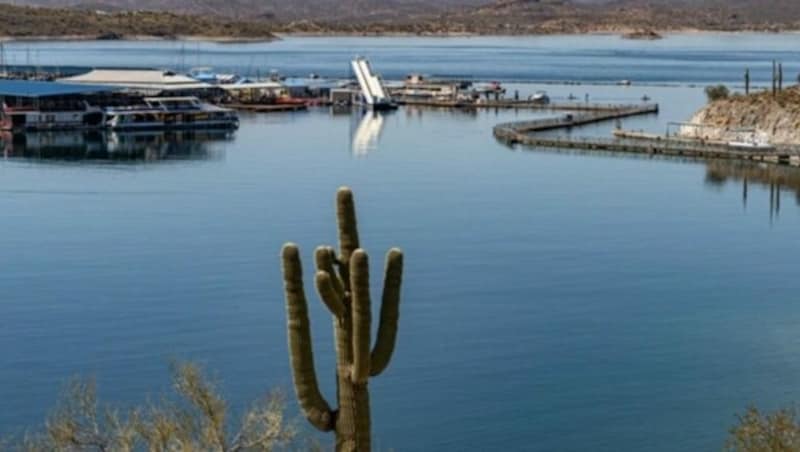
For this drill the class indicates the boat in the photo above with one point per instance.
(540, 97)
(55, 116)
(751, 145)
(171, 113)
(751, 140)
(35, 105)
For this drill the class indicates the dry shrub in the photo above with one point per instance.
(759, 432)
(193, 418)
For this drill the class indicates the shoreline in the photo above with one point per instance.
(142, 38)
(278, 36)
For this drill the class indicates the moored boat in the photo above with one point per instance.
(34, 105)
(170, 113)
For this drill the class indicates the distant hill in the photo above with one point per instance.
(286, 10)
(28, 22)
(563, 16)
(634, 18)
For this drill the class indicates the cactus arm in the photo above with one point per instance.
(359, 283)
(325, 257)
(315, 407)
(390, 313)
(329, 295)
(348, 226)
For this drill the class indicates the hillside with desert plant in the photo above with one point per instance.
(778, 118)
(24, 22)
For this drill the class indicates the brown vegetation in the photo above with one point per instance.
(640, 19)
(195, 418)
(27, 22)
(758, 432)
(644, 34)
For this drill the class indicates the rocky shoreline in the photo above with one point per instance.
(776, 119)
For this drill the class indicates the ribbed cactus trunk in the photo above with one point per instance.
(343, 285)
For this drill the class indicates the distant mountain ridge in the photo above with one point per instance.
(278, 9)
(630, 17)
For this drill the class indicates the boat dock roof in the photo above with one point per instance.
(34, 89)
(138, 79)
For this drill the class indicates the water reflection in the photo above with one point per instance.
(779, 178)
(133, 147)
(367, 133)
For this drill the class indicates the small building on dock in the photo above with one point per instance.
(308, 88)
(255, 92)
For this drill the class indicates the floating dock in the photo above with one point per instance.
(266, 108)
(515, 104)
(526, 132)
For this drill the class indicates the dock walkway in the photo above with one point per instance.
(512, 104)
(525, 132)
(266, 108)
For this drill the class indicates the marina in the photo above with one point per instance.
(604, 324)
(525, 133)
(37, 105)
(118, 100)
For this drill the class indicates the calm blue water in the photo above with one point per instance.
(694, 58)
(552, 301)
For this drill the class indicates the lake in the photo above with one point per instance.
(552, 300)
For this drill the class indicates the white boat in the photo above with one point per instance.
(751, 145)
(78, 115)
(541, 97)
(171, 113)
(751, 140)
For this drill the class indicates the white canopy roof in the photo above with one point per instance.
(135, 78)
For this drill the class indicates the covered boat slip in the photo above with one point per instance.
(35, 105)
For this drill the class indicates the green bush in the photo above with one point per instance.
(717, 92)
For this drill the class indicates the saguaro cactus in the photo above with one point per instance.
(747, 81)
(774, 78)
(343, 285)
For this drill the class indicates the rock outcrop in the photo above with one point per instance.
(775, 118)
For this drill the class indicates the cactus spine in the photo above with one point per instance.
(343, 285)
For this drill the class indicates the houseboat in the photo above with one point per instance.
(63, 117)
(33, 105)
(170, 113)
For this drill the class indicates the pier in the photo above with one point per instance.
(266, 108)
(525, 104)
(526, 132)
